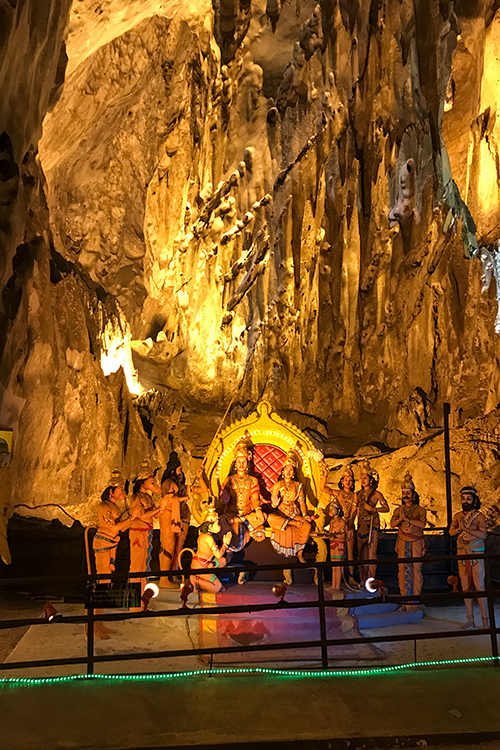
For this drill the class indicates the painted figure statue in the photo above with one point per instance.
(241, 499)
(142, 512)
(209, 554)
(109, 526)
(346, 498)
(409, 519)
(339, 530)
(369, 503)
(289, 521)
(107, 537)
(470, 526)
(175, 515)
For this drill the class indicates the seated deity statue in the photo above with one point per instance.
(240, 497)
(209, 554)
(289, 521)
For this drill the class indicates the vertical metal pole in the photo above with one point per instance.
(447, 469)
(491, 611)
(322, 618)
(90, 638)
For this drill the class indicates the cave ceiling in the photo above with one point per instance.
(206, 204)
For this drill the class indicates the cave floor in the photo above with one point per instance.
(448, 706)
(151, 635)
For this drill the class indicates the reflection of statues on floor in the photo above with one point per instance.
(209, 554)
(346, 497)
(241, 499)
(409, 519)
(142, 512)
(470, 525)
(175, 515)
(289, 521)
(369, 502)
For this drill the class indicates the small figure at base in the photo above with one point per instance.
(209, 554)
(470, 526)
(338, 544)
(346, 497)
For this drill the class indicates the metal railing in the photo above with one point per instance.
(321, 603)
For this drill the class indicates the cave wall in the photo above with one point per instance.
(236, 200)
(272, 200)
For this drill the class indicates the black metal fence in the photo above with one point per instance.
(89, 617)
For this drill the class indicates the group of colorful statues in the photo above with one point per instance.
(351, 524)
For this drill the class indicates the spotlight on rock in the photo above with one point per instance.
(186, 589)
(374, 586)
(279, 591)
(150, 592)
(50, 613)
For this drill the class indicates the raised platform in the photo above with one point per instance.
(382, 614)
(280, 625)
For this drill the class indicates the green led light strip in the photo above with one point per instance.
(241, 670)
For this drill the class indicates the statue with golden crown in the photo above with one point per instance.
(240, 498)
(370, 502)
(345, 497)
(289, 521)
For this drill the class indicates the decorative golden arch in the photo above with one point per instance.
(263, 427)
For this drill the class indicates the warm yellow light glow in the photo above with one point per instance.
(116, 353)
(487, 183)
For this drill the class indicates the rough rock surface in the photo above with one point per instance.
(269, 199)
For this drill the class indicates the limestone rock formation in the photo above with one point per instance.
(253, 199)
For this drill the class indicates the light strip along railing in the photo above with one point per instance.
(323, 643)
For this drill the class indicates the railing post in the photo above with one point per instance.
(90, 638)
(447, 469)
(322, 618)
(491, 611)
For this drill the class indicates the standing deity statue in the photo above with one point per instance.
(289, 521)
(409, 519)
(175, 515)
(369, 503)
(470, 526)
(142, 512)
(240, 496)
(345, 496)
(209, 554)
(107, 537)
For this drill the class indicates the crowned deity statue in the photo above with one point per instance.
(345, 497)
(289, 521)
(143, 510)
(409, 519)
(209, 553)
(240, 497)
(369, 502)
(469, 524)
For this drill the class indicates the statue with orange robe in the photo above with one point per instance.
(107, 537)
(289, 521)
(142, 512)
(175, 515)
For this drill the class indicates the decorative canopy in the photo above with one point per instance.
(269, 439)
